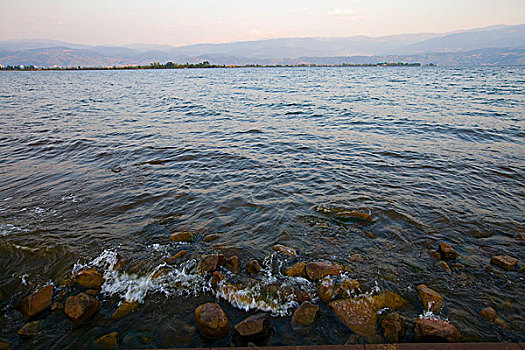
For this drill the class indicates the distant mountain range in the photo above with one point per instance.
(495, 45)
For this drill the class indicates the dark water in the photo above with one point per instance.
(100, 162)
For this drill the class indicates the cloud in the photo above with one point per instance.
(301, 9)
(347, 14)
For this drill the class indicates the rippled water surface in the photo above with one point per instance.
(95, 163)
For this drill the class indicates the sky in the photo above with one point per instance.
(175, 22)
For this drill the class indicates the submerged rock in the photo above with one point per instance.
(107, 342)
(37, 302)
(174, 258)
(432, 300)
(433, 330)
(444, 266)
(356, 258)
(490, 314)
(319, 269)
(211, 238)
(5, 345)
(353, 215)
(90, 278)
(212, 321)
(447, 252)
(504, 261)
(296, 270)
(210, 263)
(253, 267)
(394, 327)
(285, 250)
(326, 288)
(29, 329)
(80, 307)
(125, 308)
(305, 315)
(434, 253)
(253, 326)
(182, 236)
(233, 264)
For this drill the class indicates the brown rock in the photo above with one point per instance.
(447, 252)
(504, 261)
(253, 326)
(346, 287)
(429, 330)
(389, 299)
(29, 329)
(317, 270)
(182, 236)
(174, 258)
(353, 215)
(296, 270)
(499, 321)
(90, 278)
(285, 250)
(4, 344)
(356, 258)
(394, 327)
(253, 267)
(431, 299)
(489, 313)
(301, 296)
(212, 320)
(93, 292)
(125, 308)
(57, 307)
(369, 234)
(457, 266)
(37, 302)
(210, 238)
(216, 278)
(434, 253)
(210, 263)
(121, 262)
(233, 264)
(80, 307)
(107, 342)
(444, 266)
(326, 288)
(305, 315)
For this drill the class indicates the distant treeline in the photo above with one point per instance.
(206, 64)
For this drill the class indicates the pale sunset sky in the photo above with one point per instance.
(174, 22)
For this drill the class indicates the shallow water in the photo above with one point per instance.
(95, 163)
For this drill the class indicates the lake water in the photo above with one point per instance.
(95, 163)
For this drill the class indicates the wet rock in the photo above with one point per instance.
(210, 263)
(121, 262)
(434, 253)
(504, 261)
(432, 300)
(354, 340)
(125, 308)
(80, 307)
(29, 329)
(346, 287)
(5, 345)
(394, 327)
(211, 238)
(499, 321)
(174, 258)
(285, 250)
(326, 288)
(296, 270)
(233, 264)
(447, 252)
(253, 326)
(93, 292)
(356, 258)
(321, 225)
(90, 278)
(212, 321)
(457, 266)
(431, 330)
(317, 270)
(489, 313)
(216, 278)
(182, 236)
(369, 234)
(107, 342)
(444, 266)
(253, 267)
(305, 315)
(57, 307)
(301, 296)
(353, 215)
(37, 302)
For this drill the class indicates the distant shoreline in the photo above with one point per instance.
(207, 65)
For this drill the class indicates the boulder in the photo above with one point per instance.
(210, 263)
(90, 278)
(182, 236)
(174, 258)
(447, 252)
(433, 330)
(432, 300)
(296, 270)
(353, 215)
(5, 345)
(394, 327)
(37, 302)
(253, 267)
(125, 308)
(80, 307)
(253, 327)
(285, 250)
(326, 288)
(212, 321)
(504, 261)
(107, 342)
(233, 264)
(29, 329)
(211, 238)
(305, 315)
(319, 269)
